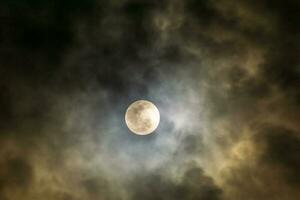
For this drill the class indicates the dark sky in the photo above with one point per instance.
(224, 74)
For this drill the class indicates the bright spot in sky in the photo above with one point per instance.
(142, 117)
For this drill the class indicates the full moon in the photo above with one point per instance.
(142, 117)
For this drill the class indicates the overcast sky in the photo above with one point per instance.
(225, 76)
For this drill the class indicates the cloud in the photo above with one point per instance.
(268, 157)
(224, 75)
(282, 150)
(193, 185)
(16, 172)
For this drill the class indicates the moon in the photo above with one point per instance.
(142, 117)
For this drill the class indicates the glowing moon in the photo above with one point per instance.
(142, 117)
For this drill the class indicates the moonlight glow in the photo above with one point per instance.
(142, 117)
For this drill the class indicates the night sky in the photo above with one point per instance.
(224, 74)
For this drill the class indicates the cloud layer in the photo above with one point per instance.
(224, 75)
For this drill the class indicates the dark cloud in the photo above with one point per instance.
(282, 149)
(217, 70)
(193, 185)
(16, 175)
(97, 187)
(268, 157)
